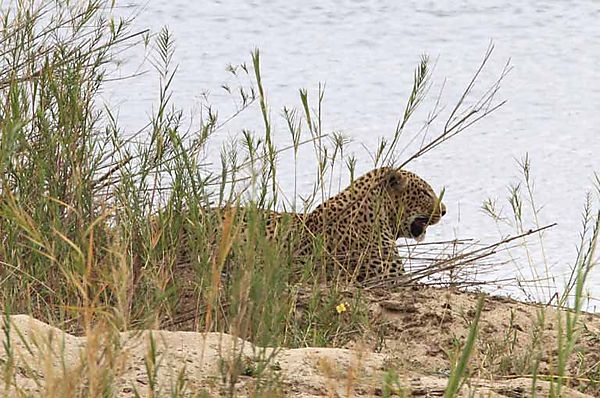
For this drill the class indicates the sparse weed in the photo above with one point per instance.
(392, 385)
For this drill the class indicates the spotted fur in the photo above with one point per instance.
(357, 229)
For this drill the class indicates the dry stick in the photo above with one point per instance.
(441, 242)
(434, 253)
(443, 267)
(451, 263)
(456, 262)
(441, 250)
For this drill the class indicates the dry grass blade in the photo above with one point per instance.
(462, 117)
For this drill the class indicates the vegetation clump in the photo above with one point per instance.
(104, 232)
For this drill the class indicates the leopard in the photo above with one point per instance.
(355, 232)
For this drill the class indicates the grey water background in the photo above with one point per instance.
(365, 53)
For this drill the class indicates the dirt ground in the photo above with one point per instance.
(420, 330)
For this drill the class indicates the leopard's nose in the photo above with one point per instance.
(443, 209)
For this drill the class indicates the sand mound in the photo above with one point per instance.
(40, 360)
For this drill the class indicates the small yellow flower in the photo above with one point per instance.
(341, 308)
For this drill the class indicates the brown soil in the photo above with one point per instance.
(416, 332)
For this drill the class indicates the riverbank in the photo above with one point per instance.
(409, 349)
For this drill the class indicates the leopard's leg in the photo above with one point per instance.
(384, 264)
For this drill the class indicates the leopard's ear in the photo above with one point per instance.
(396, 180)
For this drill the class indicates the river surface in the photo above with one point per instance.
(365, 53)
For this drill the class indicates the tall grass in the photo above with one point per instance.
(459, 370)
(105, 226)
(52, 152)
(104, 230)
(569, 298)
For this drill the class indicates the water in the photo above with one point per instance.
(366, 52)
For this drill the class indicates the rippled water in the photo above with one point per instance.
(366, 52)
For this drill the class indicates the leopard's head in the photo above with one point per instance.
(413, 204)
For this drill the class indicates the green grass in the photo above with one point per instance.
(104, 231)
